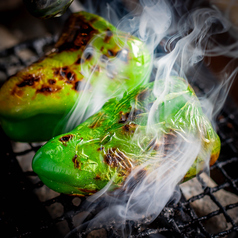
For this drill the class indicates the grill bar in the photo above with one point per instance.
(180, 220)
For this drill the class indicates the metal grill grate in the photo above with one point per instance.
(25, 212)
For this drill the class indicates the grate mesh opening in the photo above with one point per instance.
(30, 209)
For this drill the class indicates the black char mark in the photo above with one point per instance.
(88, 55)
(129, 116)
(79, 61)
(167, 144)
(76, 34)
(80, 85)
(52, 81)
(129, 128)
(116, 158)
(123, 117)
(66, 138)
(171, 142)
(97, 177)
(100, 148)
(68, 76)
(108, 36)
(28, 80)
(64, 73)
(76, 162)
(46, 89)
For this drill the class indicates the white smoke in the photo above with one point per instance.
(187, 40)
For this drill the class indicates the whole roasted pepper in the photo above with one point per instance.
(90, 58)
(112, 142)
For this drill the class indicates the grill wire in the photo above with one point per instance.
(23, 214)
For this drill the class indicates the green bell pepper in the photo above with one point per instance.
(112, 142)
(90, 57)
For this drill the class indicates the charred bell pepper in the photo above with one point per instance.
(91, 55)
(105, 146)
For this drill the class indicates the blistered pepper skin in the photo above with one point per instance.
(35, 101)
(106, 147)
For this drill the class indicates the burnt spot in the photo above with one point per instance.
(166, 144)
(108, 36)
(70, 76)
(88, 55)
(170, 142)
(17, 92)
(28, 80)
(100, 148)
(77, 33)
(65, 74)
(80, 85)
(110, 160)
(60, 72)
(76, 86)
(113, 53)
(153, 145)
(129, 128)
(123, 117)
(51, 81)
(46, 89)
(97, 177)
(116, 158)
(77, 164)
(126, 128)
(110, 53)
(66, 138)
(129, 116)
(79, 61)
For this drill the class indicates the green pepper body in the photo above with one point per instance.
(106, 147)
(90, 56)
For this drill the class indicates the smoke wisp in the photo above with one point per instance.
(169, 145)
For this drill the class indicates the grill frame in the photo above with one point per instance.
(176, 220)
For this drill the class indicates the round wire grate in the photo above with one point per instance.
(30, 209)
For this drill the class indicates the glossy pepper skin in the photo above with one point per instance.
(106, 146)
(90, 55)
